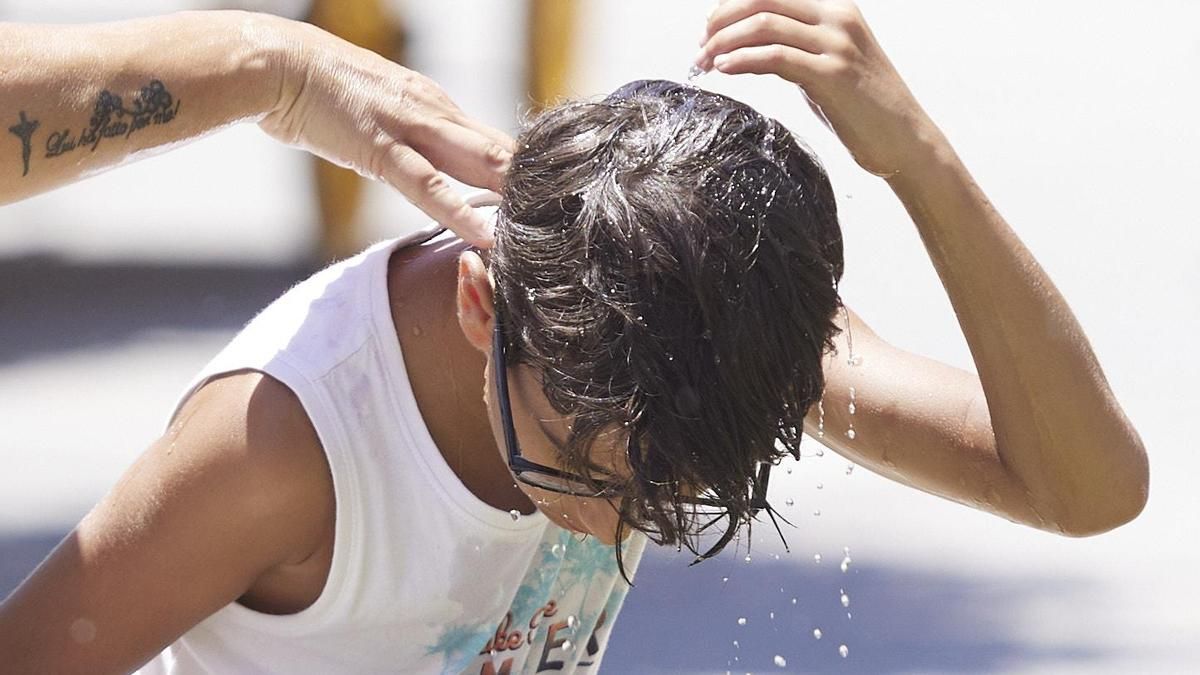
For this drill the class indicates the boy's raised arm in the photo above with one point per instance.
(1053, 431)
(237, 487)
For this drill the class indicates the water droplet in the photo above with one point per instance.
(817, 512)
(845, 600)
(795, 600)
(856, 360)
(82, 631)
(850, 433)
(557, 549)
(848, 616)
(747, 557)
(780, 661)
(515, 515)
(416, 331)
(849, 469)
(772, 616)
(852, 408)
(845, 564)
(817, 633)
(817, 558)
(844, 651)
(724, 580)
(567, 646)
(789, 501)
(742, 621)
(736, 645)
(571, 622)
(820, 452)
(530, 295)
(820, 486)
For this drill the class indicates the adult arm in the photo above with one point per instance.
(1037, 436)
(76, 100)
(237, 488)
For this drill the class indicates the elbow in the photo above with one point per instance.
(1110, 508)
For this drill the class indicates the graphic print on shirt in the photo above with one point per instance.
(557, 620)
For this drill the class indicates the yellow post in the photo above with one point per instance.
(339, 191)
(551, 29)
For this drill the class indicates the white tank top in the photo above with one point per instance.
(425, 576)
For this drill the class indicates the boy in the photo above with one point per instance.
(650, 333)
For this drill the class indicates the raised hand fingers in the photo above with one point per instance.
(732, 11)
(760, 30)
(428, 189)
(465, 151)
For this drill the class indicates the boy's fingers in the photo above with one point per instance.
(732, 11)
(762, 29)
(792, 64)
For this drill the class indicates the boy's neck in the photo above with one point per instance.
(446, 372)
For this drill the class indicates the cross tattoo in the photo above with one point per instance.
(24, 131)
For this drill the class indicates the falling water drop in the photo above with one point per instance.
(747, 557)
(821, 417)
(780, 661)
(515, 515)
(845, 564)
(789, 501)
(817, 633)
(772, 616)
(571, 623)
(820, 452)
(795, 600)
(817, 512)
(850, 433)
(724, 580)
(849, 469)
(742, 621)
(416, 331)
(817, 558)
(844, 651)
(845, 600)
(820, 486)
(557, 550)
(567, 646)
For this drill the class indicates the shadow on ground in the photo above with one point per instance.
(20, 553)
(48, 306)
(686, 620)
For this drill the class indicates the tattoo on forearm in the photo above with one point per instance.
(110, 118)
(24, 131)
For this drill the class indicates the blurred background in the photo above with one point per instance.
(1078, 118)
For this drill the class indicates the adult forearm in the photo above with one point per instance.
(1059, 430)
(75, 100)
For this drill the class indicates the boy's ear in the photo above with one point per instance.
(476, 309)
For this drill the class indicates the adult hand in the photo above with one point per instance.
(826, 48)
(362, 111)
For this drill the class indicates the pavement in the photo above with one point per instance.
(115, 291)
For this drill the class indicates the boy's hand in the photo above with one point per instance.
(826, 48)
(360, 110)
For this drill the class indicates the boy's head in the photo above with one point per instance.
(664, 276)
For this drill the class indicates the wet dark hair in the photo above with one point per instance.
(667, 259)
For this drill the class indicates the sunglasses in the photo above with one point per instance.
(562, 482)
